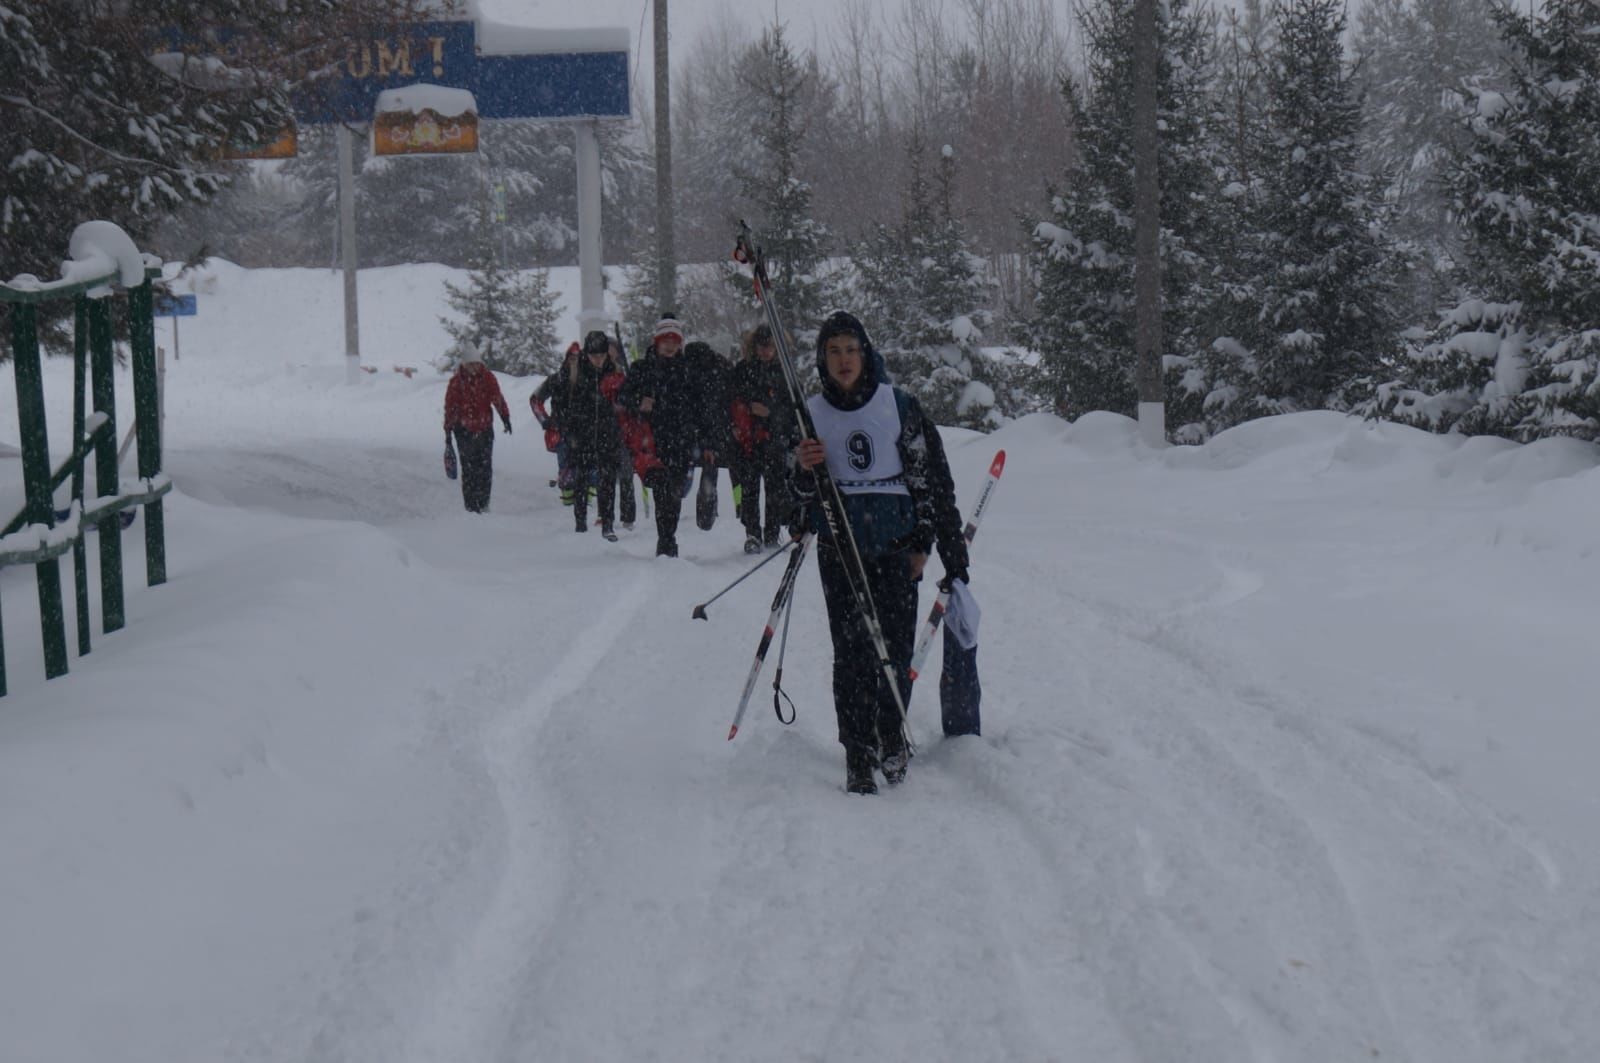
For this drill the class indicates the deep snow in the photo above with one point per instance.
(1287, 755)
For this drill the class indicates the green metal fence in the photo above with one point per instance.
(37, 535)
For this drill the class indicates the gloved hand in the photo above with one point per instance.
(953, 574)
(507, 423)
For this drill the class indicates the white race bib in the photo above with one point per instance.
(863, 444)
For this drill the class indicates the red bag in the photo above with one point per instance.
(552, 438)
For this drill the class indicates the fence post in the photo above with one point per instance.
(147, 423)
(103, 383)
(36, 478)
(80, 549)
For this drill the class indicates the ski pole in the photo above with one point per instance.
(699, 612)
(941, 604)
(828, 498)
(785, 589)
(777, 674)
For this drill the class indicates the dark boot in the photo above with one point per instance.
(666, 548)
(858, 771)
(896, 757)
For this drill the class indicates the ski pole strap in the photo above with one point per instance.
(777, 677)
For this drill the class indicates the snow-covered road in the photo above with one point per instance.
(1286, 757)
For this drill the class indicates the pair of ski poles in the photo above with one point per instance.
(782, 603)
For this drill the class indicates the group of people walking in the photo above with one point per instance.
(681, 405)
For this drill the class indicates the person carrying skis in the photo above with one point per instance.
(763, 428)
(583, 405)
(712, 374)
(888, 461)
(553, 439)
(663, 389)
(626, 502)
(470, 401)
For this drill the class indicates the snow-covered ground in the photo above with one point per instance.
(1288, 754)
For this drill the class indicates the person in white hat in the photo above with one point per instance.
(663, 388)
(470, 402)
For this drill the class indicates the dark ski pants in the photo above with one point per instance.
(625, 497)
(667, 484)
(767, 464)
(599, 469)
(861, 695)
(476, 451)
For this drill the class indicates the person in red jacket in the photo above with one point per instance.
(470, 403)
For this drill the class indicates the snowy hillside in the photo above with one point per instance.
(1288, 753)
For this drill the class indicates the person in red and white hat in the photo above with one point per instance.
(664, 389)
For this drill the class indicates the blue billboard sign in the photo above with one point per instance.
(554, 85)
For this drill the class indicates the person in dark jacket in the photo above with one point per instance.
(551, 424)
(470, 401)
(583, 405)
(627, 503)
(888, 462)
(664, 390)
(714, 389)
(763, 432)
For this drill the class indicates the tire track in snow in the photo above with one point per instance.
(1172, 781)
(469, 1017)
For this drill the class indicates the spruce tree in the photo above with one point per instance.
(1082, 320)
(795, 243)
(1414, 58)
(1520, 355)
(927, 300)
(1322, 326)
(510, 317)
(96, 121)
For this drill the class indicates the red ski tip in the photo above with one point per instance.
(733, 731)
(998, 464)
(912, 672)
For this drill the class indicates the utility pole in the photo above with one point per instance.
(347, 247)
(666, 263)
(1147, 226)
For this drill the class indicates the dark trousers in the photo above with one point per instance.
(600, 469)
(476, 451)
(861, 696)
(625, 497)
(767, 464)
(667, 484)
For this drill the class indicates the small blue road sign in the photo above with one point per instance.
(169, 305)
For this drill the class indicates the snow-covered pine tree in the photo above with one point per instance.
(1324, 323)
(927, 299)
(1082, 320)
(532, 345)
(510, 316)
(1520, 355)
(94, 124)
(1415, 57)
(795, 243)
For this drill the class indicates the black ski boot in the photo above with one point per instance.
(608, 533)
(752, 545)
(858, 772)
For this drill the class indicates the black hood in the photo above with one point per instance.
(873, 369)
